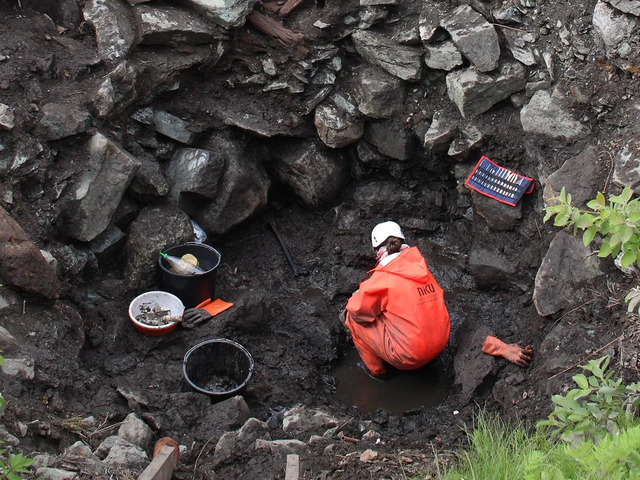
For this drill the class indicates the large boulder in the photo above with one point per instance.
(21, 262)
(236, 194)
(546, 115)
(98, 191)
(315, 173)
(155, 229)
(564, 276)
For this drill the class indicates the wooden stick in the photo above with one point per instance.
(277, 31)
(588, 357)
(293, 467)
(162, 465)
(289, 6)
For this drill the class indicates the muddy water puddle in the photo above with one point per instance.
(402, 391)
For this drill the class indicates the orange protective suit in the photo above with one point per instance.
(398, 315)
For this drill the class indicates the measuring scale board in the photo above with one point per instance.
(498, 182)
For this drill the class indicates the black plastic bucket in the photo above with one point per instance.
(192, 289)
(219, 367)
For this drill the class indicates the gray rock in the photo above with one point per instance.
(443, 129)
(60, 121)
(508, 14)
(195, 171)
(23, 368)
(174, 127)
(521, 45)
(98, 191)
(391, 137)
(545, 115)
(491, 269)
(227, 13)
(470, 139)
(78, 58)
(114, 31)
(474, 93)
(155, 229)
(499, 216)
(48, 473)
(26, 158)
(336, 127)
(117, 91)
(136, 431)
(474, 36)
(378, 93)
(370, 16)
(127, 456)
(81, 456)
(7, 341)
(148, 184)
(315, 173)
(7, 438)
(221, 417)
(581, 176)
(271, 122)
(21, 263)
(428, 22)
(173, 26)
(281, 447)
(612, 26)
(563, 278)
(470, 365)
(233, 445)
(6, 117)
(626, 172)
(303, 422)
(241, 190)
(533, 87)
(70, 261)
(377, 49)
(626, 6)
(442, 56)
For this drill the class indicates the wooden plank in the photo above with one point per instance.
(161, 467)
(293, 467)
(289, 6)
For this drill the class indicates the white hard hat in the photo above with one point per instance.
(384, 230)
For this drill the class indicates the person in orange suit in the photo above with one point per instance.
(398, 316)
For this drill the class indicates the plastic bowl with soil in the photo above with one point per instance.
(156, 312)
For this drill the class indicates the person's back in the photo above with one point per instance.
(398, 315)
(408, 305)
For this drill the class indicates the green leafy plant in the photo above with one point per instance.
(617, 222)
(599, 406)
(614, 457)
(16, 464)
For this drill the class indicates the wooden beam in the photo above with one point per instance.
(289, 6)
(293, 467)
(162, 465)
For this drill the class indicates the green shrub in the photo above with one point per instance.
(614, 457)
(597, 424)
(617, 222)
(599, 406)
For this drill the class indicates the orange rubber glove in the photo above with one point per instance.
(204, 311)
(513, 352)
